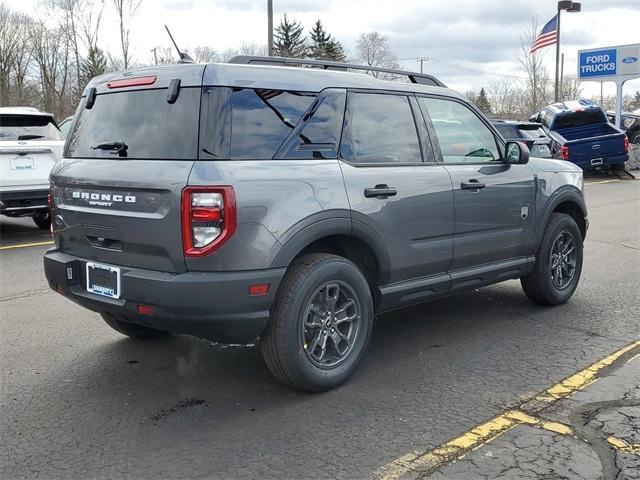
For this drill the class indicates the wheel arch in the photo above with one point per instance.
(568, 201)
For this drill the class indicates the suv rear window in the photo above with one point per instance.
(28, 127)
(151, 127)
(579, 119)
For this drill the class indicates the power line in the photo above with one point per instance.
(460, 67)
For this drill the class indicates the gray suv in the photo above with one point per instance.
(246, 200)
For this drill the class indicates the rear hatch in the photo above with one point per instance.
(29, 146)
(127, 159)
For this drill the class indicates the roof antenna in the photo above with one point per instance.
(184, 57)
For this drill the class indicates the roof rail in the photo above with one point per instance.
(414, 77)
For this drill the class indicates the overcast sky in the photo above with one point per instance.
(469, 43)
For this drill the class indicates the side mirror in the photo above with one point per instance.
(517, 153)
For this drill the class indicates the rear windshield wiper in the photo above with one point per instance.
(29, 137)
(119, 147)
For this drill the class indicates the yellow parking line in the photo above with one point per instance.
(623, 445)
(428, 461)
(601, 181)
(24, 245)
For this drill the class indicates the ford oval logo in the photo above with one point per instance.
(629, 59)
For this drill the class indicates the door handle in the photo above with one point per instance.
(472, 184)
(380, 191)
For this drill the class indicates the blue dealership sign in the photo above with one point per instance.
(598, 63)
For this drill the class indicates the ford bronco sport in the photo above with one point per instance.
(242, 201)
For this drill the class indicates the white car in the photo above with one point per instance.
(30, 143)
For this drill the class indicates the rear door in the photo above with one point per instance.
(494, 201)
(29, 146)
(395, 187)
(121, 206)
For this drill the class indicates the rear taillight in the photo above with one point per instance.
(564, 152)
(626, 144)
(208, 218)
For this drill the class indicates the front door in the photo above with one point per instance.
(494, 200)
(395, 187)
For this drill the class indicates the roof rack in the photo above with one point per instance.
(414, 77)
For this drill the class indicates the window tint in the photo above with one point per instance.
(507, 130)
(320, 135)
(151, 127)
(28, 127)
(261, 120)
(580, 119)
(462, 136)
(381, 129)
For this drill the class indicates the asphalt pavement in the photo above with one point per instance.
(80, 401)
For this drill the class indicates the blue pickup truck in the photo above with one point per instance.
(581, 133)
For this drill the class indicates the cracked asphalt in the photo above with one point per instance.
(80, 401)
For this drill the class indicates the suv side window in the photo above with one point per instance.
(261, 120)
(462, 136)
(380, 129)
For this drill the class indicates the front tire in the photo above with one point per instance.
(558, 263)
(320, 323)
(132, 330)
(42, 220)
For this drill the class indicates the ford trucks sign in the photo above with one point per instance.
(597, 63)
(609, 63)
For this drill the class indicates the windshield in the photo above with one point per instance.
(28, 127)
(580, 119)
(149, 126)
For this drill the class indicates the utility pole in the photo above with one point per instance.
(270, 27)
(155, 55)
(422, 60)
(561, 77)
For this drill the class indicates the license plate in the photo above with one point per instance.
(596, 161)
(103, 280)
(543, 150)
(22, 163)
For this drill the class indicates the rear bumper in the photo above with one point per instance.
(23, 201)
(606, 160)
(212, 305)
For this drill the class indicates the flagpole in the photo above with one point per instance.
(555, 91)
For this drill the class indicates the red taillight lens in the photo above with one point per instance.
(564, 152)
(131, 82)
(626, 144)
(208, 218)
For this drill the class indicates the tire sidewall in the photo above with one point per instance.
(303, 370)
(568, 225)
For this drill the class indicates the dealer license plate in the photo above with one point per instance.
(103, 280)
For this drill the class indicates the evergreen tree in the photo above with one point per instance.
(323, 46)
(482, 102)
(289, 39)
(92, 65)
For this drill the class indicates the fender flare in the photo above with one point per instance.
(327, 227)
(565, 194)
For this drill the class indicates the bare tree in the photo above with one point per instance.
(506, 95)
(538, 86)
(126, 10)
(571, 88)
(51, 53)
(254, 50)
(204, 54)
(373, 50)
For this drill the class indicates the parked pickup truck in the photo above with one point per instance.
(580, 132)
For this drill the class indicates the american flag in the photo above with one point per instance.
(548, 35)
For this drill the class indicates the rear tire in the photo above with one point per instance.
(42, 220)
(132, 330)
(320, 324)
(617, 167)
(556, 273)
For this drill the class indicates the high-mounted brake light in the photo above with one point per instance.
(131, 82)
(208, 218)
(626, 144)
(564, 152)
